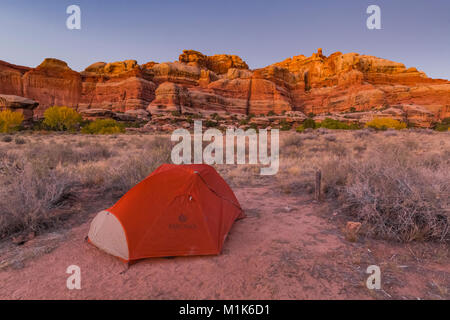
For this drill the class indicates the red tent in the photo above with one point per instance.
(178, 210)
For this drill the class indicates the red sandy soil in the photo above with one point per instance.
(288, 247)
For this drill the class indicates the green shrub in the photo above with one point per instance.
(285, 126)
(132, 124)
(385, 123)
(300, 128)
(215, 116)
(309, 123)
(444, 125)
(211, 123)
(336, 124)
(103, 126)
(271, 113)
(10, 120)
(61, 118)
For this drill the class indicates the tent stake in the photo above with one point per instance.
(318, 181)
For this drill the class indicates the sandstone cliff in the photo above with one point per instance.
(224, 84)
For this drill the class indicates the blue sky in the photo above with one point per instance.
(415, 33)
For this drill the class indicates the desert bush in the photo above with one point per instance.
(385, 123)
(243, 122)
(240, 175)
(20, 140)
(360, 134)
(330, 137)
(285, 126)
(7, 139)
(309, 123)
(30, 195)
(396, 196)
(390, 133)
(397, 188)
(216, 116)
(336, 124)
(292, 140)
(41, 184)
(10, 120)
(308, 135)
(61, 118)
(211, 123)
(53, 154)
(132, 169)
(103, 126)
(444, 125)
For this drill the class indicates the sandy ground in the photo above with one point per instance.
(289, 247)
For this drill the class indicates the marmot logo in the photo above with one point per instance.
(183, 225)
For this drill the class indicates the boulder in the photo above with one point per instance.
(119, 116)
(352, 231)
(141, 115)
(93, 114)
(19, 104)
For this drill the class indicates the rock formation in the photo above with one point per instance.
(52, 83)
(349, 86)
(19, 104)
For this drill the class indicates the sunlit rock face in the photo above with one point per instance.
(224, 83)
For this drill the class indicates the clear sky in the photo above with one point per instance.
(416, 33)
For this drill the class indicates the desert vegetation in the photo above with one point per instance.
(386, 123)
(10, 121)
(103, 126)
(43, 176)
(396, 183)
(61, 118)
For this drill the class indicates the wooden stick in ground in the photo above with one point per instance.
(318, 180)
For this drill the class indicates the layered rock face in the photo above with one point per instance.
(11, 78)
(322, 85)
(52, 83)
(117, 87)
(343, 81)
